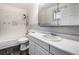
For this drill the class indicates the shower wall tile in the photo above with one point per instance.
(12, 21)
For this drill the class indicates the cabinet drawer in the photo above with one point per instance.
(39, 42)
(57, 51)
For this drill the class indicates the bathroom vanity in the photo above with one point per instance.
(41, 45)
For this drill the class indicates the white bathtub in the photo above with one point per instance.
(5, 43)
(9, 41)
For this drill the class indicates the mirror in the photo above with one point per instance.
(58, 14)
(46, 15)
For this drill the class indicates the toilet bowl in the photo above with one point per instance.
(23, 43)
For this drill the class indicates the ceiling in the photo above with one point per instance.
(22, 5)
(31, 8)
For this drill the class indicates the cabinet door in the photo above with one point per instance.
(57, 51)
(31, 48)
(40, 50)
(69, 14)
(35, 49)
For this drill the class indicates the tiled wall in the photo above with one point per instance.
(12, 22)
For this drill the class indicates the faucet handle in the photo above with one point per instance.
(54, 34)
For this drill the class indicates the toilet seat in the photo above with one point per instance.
(23, 40)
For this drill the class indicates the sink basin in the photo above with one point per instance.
(52, 37)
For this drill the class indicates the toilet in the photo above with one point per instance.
(24, 43)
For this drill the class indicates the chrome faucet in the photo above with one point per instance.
(54, 34)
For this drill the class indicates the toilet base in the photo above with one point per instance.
(24, 46)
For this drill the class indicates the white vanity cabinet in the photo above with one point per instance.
(40, 46)
(69, 14)
(37, 48)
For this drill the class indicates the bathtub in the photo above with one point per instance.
(5, 43)
(9, 41)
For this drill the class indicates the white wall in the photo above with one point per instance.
(12, 23)
(33, 15)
